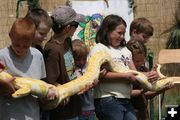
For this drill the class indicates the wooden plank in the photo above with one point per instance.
(176, 80)
(169, 56)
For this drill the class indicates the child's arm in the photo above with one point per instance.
(151, 75)
(6, 87)
(150, 94)
(115, 76)
(137, 92)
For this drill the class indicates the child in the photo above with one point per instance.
(80, 53)
(24, 61)
(139, 52)
(112, 94)
(43, 24)
(60, 61)
(138, 99)
(141, 29)
(139, 96)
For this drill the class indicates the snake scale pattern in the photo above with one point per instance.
(40, 88)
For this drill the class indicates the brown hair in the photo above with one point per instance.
(39, 15)
(109, 24)
(136, 47)
(142, 25)
(23, 29)
(79, 49)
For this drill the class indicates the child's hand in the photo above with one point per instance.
(6, 87)
(51, 94)
(95, 82)
(88, 87)
(166, 87)
(131, 76)
(152, 76)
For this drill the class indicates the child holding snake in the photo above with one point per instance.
(80, 53)
(24, 61)
(140, 96)
(112, 94)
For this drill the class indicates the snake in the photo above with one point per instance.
(25, 86)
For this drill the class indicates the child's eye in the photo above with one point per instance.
(119, 32)
(43, 34)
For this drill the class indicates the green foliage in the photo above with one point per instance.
(32, 4)
(174, 38)
(150, 57)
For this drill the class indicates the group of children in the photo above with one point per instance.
(65, 59)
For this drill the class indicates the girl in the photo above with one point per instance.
(112, 94)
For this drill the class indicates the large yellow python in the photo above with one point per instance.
(40, 88)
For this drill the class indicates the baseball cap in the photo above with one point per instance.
(64, 15)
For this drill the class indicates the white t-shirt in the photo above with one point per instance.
(119, 89)
(32, 65)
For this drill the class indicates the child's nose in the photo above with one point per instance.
(122, 36)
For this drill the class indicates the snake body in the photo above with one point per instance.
(40, 88)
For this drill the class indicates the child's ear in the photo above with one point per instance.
(67, 29)
(10, 34)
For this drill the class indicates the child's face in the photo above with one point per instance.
(117, 35)
(41, 33)
(142, 37)
(71, 31)
(20, 47)
(80, 62)
(139, 60)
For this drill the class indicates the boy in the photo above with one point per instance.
(43, 24)
(60, 61)
(24, 61)
(141, 28)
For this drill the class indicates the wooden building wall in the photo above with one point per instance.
(159, 12)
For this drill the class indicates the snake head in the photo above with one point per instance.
(159, 71)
